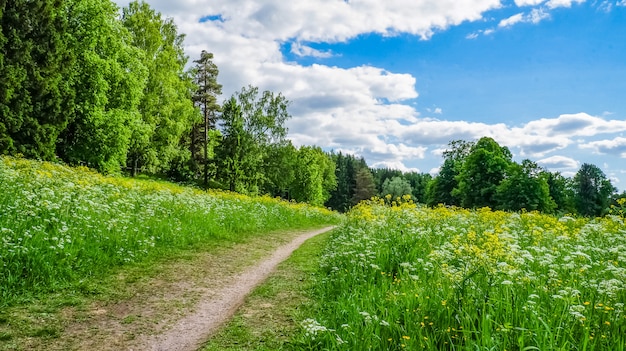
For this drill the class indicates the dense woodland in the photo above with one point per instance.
(84, 83)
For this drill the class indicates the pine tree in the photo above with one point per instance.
(205, 97)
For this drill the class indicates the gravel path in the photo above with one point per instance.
(216, 307)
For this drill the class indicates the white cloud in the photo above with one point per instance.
(534, 16)
(574, 125)
(615, 146)
(537, 15)
(507, 22)
(559, 162)
(621, 3)
(303, 50)
(360, 109)
(552, 4)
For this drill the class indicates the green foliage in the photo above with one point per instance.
(483, 169)
(166, 108)
(441, 189)
(396, 187)
(314, 177)
(561, 192)
(239, 156)
(525, 187)
(364, 188)
(279, 169)
(108, 80)
(345, 195)
(419, 183)
(35, 61)
(592, 191)
(252, 126)
(382, 174)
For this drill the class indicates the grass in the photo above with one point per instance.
(62, 228)
(413, 278)
(268, 321)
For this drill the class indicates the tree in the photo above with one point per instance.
(524, 187)
(364, 188)
(419, 183)
(592, 191)
(264, 116)
(561, 192)
(343, 196)
(279, 167)
(35, 62)
(382, 174)
(483, 170)
(440, 190)
(167, 110)
(314, 176)
(397, 187)
(259, 126)
(108, 80)
(238, 153)
(205, 97)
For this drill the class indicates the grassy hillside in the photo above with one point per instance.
(411, 278)
(61, 226)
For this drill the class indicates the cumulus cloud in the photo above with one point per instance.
(615, 146)
(559, 162)
(574, 125)
(303, 50)
(362, 110)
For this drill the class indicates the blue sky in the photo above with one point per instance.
(395, 81)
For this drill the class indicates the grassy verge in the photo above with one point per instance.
(271, 315)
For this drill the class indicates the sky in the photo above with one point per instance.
(395, 81)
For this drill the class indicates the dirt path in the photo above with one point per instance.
(174, 306)
(216, 307)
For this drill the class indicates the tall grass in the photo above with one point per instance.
(412, 278)
(59, 226)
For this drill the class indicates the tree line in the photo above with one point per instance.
(83, 84)
(86, 84)
(479, 174)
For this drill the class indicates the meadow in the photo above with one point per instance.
(405, 277)
(62, 227)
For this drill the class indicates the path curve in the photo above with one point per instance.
(189, 333)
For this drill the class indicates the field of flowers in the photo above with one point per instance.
(60, 226)
(413, 278)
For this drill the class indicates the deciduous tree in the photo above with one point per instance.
(483, 170)
(592, 191)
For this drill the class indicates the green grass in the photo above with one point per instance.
(410, 278)
(268, 321)
(62, 229)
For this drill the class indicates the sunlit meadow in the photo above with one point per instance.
(60, 226)
(413, 278)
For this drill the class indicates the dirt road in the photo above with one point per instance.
(216, 307)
